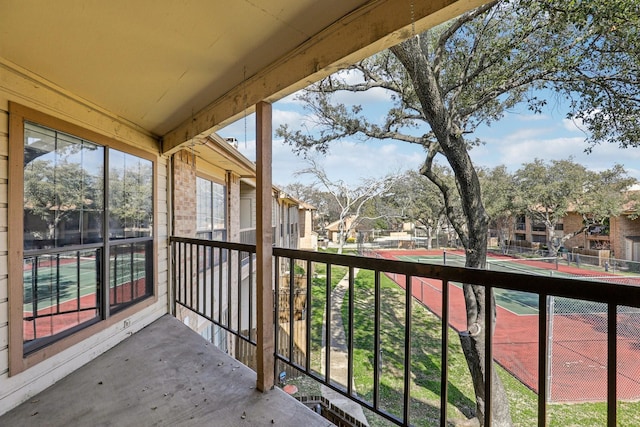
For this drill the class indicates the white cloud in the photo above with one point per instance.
(524, 145)
(348, 161)
(289, 100)
(372, 96)
(531, 117)
(292, 118)
(525, 150)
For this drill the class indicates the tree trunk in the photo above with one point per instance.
(473, 339)
(454, 148)
(472, 347)
(551, 235)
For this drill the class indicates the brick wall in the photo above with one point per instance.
(621, 228)
(184, 194)
(571, 223)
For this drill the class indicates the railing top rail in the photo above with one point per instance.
(619, 294)
(244, 247)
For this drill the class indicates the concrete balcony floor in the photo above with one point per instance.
(163, 375)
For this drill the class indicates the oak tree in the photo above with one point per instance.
(446, 82)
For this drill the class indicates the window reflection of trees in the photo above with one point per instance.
(66, 257)
(130, 196)
(63, 199)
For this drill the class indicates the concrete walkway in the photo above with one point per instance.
(339, 357)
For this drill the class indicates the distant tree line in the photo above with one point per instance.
(543, 191)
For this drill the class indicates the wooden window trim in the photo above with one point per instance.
(18, 115)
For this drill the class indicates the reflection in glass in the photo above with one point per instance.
(219, 204)
(64, 205)
(60, 292)
(130, 196)
(131, 273)
(204, 215)
(210, 210)
(63, 189)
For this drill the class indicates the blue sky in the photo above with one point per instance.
(519, 137)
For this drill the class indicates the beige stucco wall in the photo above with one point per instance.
(308, 239)
(21, 87)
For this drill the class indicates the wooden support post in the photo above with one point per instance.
(264, 249)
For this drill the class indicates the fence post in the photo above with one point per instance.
(549, 355)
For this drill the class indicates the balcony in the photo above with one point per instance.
(164, 375)
(169, 375)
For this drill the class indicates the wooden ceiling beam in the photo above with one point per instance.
(368, 30)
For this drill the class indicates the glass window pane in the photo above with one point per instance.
(130, 196)
(211, 206)
(131, 274)
(92, 220)
(219, 206)
(203, 208)
(60, 292)
(64, 204)
(62, 181)
(39, 143)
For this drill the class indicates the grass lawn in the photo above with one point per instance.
(317, 306)
(425, 369)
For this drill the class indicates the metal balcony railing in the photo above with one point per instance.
(248, 236)
(204, 285)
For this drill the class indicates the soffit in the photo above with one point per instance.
(158, 65)
(147, 61)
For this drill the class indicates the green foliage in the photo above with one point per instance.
(600, 69)
(548, 191)
(53, 192)
(298, 270)
(130, 196)
(606, 195)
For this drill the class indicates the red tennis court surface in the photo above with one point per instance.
(73, 312)
(579, 346)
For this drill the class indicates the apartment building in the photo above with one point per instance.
(620, 234)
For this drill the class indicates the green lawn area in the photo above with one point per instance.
(425, 369)
(317, 307)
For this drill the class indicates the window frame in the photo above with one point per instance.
(18, 361)
(213, 232)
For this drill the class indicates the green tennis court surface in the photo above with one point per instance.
(62, 279)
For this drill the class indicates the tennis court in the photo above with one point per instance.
(577, 329)
(523, 303)
(61, 290)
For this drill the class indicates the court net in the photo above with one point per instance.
(542, 265)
